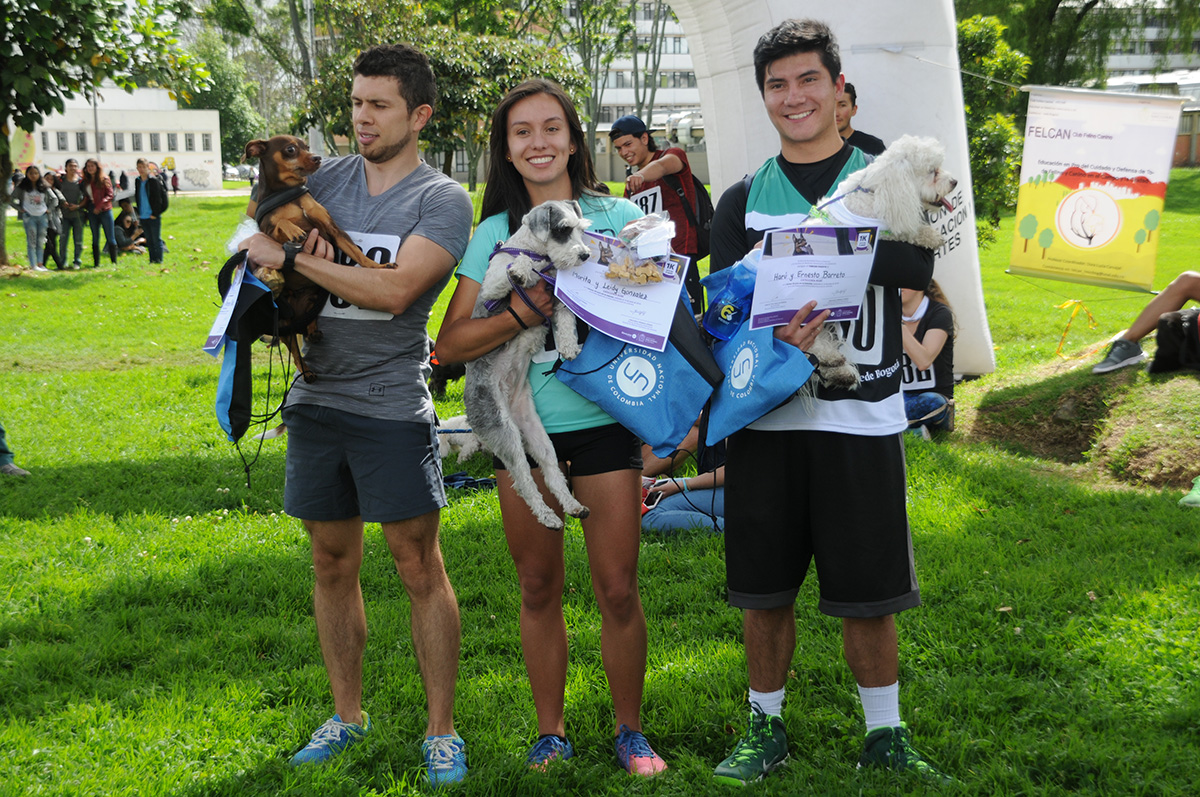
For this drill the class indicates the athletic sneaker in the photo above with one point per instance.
(548, 748)
(1120, 354)
(1192, 498)
(762, 749)
(891, 748)
(636, 755)
(445, 759)
(330, 739)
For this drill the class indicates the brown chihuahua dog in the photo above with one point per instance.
(287, 212)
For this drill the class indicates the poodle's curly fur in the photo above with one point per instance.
(901, 188)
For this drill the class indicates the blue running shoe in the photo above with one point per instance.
(548, 748)
(330, 739)
(445, 759)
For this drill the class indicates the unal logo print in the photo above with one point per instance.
(636, 377)
(741, 370)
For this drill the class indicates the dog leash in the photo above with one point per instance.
(493, 304)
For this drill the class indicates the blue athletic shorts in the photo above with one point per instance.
(341, 465)
(794, 498)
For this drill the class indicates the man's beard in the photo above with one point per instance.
(387, 153)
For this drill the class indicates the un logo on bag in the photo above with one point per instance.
(636, 379)
(741, 370)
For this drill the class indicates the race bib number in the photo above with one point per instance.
(381, 249)
(912, 379)
(649, 201)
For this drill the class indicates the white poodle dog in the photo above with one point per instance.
(900, 189)
(496, 391)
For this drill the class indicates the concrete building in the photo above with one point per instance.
(122, 127)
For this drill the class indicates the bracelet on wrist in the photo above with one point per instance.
(514, 315)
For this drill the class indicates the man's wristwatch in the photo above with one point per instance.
(290, 250)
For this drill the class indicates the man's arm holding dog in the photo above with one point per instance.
(420, 263)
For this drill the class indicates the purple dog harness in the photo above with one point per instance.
(493, 304)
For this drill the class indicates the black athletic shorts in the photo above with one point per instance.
(601, 449)
(838, 500)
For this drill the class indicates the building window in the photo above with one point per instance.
(155, 142)
(172, 142)
(206, 141)
(81, 142)
(45, 141)
(647, 11)
(101, 141)
(460, 160)
(189, 142)
(62, 141)
(118, 142)
(135, 142)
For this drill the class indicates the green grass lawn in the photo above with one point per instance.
(155, 619)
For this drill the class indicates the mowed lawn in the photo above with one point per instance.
(156, 635)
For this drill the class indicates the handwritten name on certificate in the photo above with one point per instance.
(619, 307)
(828, 264)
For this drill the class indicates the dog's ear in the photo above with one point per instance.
(538, 220)
(254, 149)
(577, 208)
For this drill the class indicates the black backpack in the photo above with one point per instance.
(699, 217)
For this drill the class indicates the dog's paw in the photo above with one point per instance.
(843, 377)
(569, 350)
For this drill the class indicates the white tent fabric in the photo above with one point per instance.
(902, 59)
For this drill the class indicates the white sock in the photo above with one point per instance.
(769, 703)
(881, 705)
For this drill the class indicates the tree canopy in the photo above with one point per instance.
(1068, 41)
(51, 51)
(990, 69)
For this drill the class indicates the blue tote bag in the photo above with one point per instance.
(761, 373)
(655, 395)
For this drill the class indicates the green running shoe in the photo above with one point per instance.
(762, 749)
(891, 748)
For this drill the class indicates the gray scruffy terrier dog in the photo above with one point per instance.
(496, 393)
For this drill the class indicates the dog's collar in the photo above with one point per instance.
(536, 257)
(277, 199)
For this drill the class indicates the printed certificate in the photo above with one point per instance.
(621, 307)
(828, 264)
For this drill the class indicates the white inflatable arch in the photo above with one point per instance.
(902, 59)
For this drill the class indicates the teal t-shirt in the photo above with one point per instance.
(560, 408)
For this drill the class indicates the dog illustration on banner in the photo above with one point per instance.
(496, 393)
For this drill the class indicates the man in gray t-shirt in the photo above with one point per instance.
(362, 443)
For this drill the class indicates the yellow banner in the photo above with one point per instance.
(1093, 181)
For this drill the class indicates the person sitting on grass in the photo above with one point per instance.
(927, 372)
(690, 502)
(1126, 350)
(128, 232)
